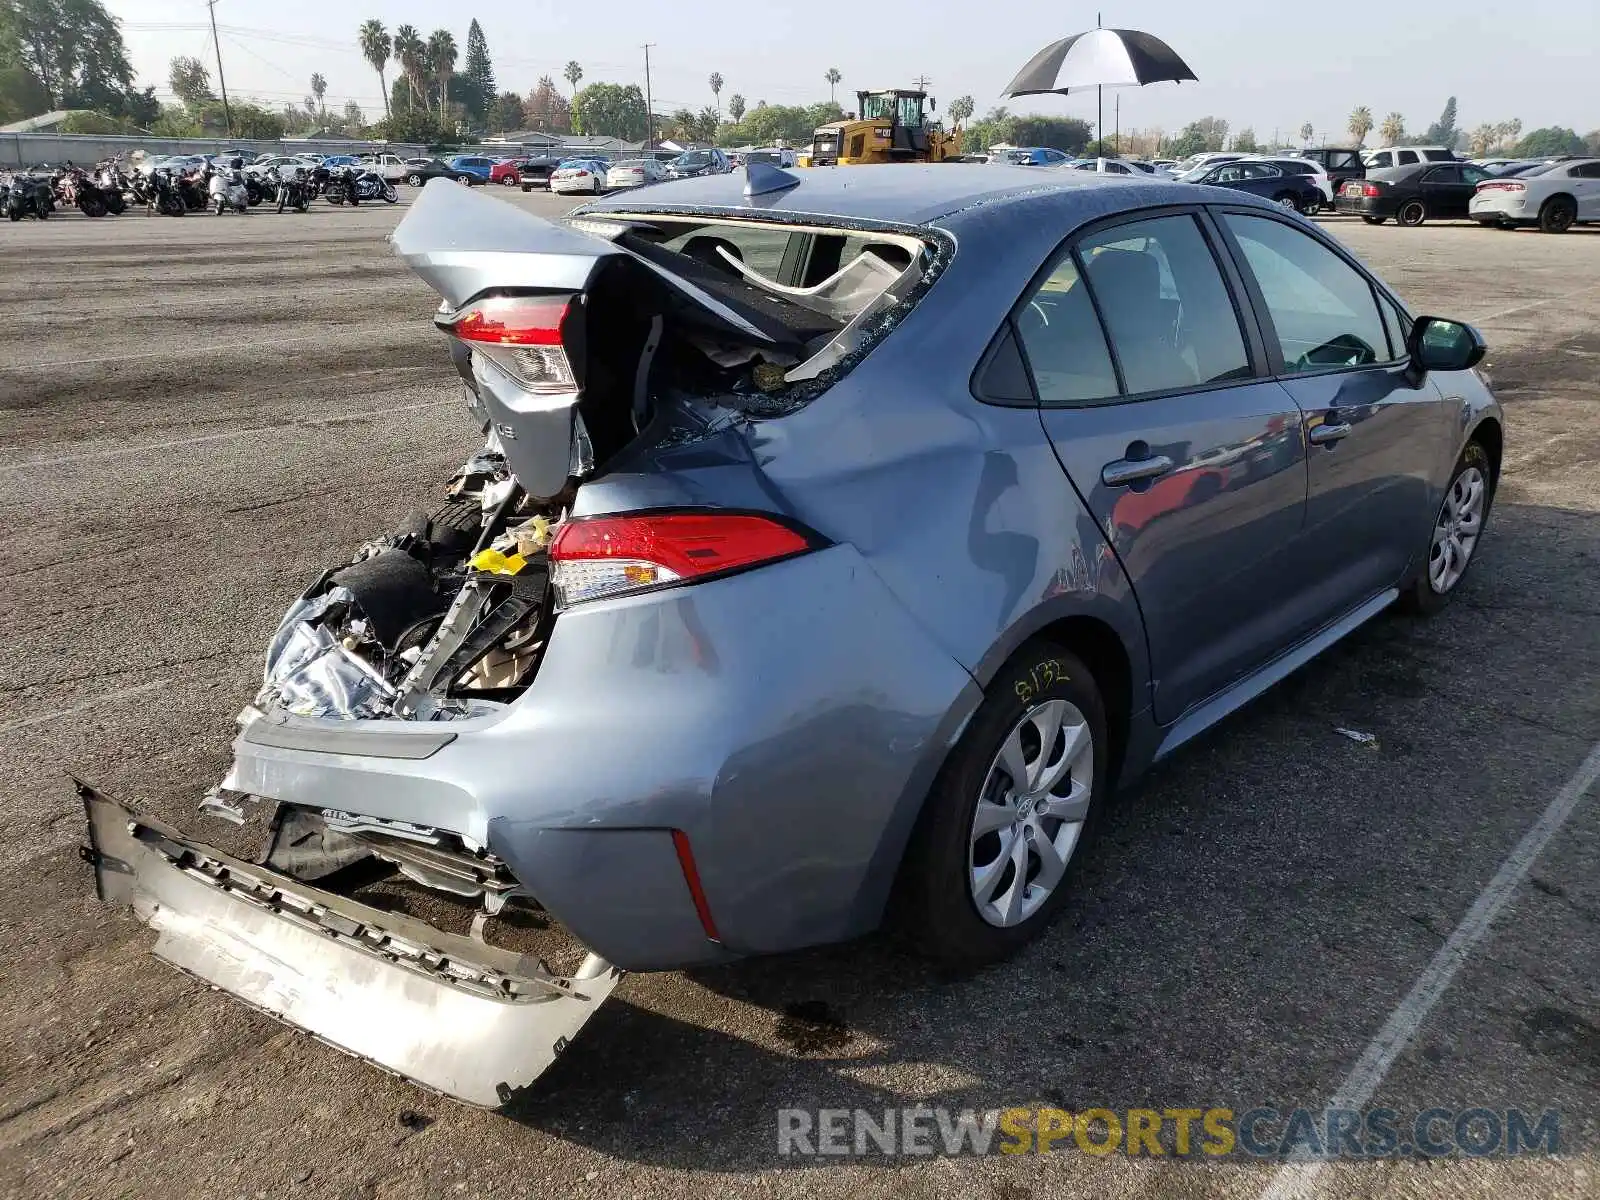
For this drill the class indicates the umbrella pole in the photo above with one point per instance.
(1099, 121)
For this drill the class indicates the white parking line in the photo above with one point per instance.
(1519, 308)
(1298, 1179)
(199, 347)
(227, 435)
(123, 694)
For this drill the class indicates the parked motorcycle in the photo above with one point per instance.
(261, 188)
(351, 186)
(227, 189)
(164, 194)
(78, 190)
(27, 196)
(192, 187)
(294, 192)
(114, 186)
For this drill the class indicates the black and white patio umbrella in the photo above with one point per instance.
(1099, 58)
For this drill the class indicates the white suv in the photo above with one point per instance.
(1554, 197)
(1405, 156)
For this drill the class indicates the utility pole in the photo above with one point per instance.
(1116, 138)
(649, 105)
(922, 82)
(227, 113)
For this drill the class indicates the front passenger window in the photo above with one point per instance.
(1320, 308)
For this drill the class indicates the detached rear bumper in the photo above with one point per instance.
(447, 1012)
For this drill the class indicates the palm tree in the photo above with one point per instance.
(1392, 129)
(572, 73)
(1510, 131)
(833, 77)
(716, 90)
(1305, 133)
(442, 62)
(1360, 123)
(319, 89)
(736, 107)
(409, 49)
(375, 47)
(1482, 139)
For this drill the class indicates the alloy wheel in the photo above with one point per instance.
(1030, 812)
(1456, 531)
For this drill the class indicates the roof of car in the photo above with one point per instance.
(910, 193)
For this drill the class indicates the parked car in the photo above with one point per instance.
(1302, 166)
(635, 172)
(505, 173)
(1405, 156)
(471, 168)
(1341, 164)
(1102, 166)
(1492, 165)
(535, 172)
(1555, 197)
(1439, 191)
(698, 162)
(778, 156)
(334, 161)
(1032, 156)
(390, 166)
(177, 163)
(1299, 193)
(580, 175)
(420, 170)
(285, 163)
(881, 649)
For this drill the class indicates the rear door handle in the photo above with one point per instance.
(1131, 470)
(1328, 434)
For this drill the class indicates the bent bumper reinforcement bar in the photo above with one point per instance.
(445, 1011)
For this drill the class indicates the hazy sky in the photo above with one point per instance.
(1267, 65)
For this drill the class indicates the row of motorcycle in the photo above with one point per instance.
(109, 189)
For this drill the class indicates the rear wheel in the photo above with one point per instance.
(466, 179)
(990, 860)
(1412, 213)
(1287, 200)
(414, 179)
(1558, 214)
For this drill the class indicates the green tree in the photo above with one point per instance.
(319, 89)
(1060, 133)
(610, 110)
(508, 113)
(961, 109)
(190, 81)
(716, 82)
(21, 95)
(706, 123)
(1360, 123)
(477, 86)
(1553, 139)
(412, 53)
(73, 49)
(1481, 138)
(1393, 130)
(833, 77)
(1591, 142)
(441, 59)
(1507, 133)
(1245, 141)
(376, 45)
(736, 107)
(1306, 131)
(1443, 131)
(412, 125)
(572, 72)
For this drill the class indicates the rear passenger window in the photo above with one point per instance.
(1407, 157)
(1321, 309)
(1168, 313)
(1065, 345)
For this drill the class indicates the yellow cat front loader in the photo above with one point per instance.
(888, 127)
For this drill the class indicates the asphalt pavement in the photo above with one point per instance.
(198, 415)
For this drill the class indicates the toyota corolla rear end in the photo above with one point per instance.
(611, 682)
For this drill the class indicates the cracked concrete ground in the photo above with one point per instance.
(249, 398)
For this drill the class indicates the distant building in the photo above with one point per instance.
(49, 122)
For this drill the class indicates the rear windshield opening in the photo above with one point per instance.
(808, 295)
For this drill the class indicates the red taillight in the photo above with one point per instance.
(1369, 189)
(609, 556)
(580, 174)
(512, 321)
(1508, 185)
(691, 876)
(522, 336)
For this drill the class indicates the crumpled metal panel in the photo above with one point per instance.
(449, 1013)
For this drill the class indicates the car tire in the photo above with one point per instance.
(946, 903)
(466, 179)
(1374, 220)
(1411, 214)
(508, 181)
(414, 180)
(1455, 534)
(527, 187)
(1557, 214)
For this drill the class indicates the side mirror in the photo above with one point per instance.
(1437, 344)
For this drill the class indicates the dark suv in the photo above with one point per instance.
(1341, 163)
